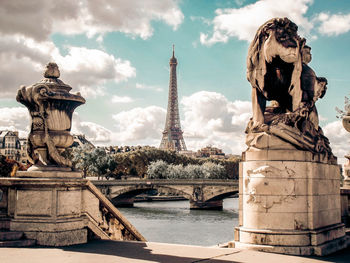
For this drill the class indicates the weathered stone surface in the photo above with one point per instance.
(278, 71)
(291, 204)
(34, 203)
(51, 107)
(59, 238)
(58, 212)
(49, 174)
(69, 202)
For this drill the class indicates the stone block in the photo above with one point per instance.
(275, 238)
(50, 225)
(59, 238)
(69, 202)
(275, 221)
(34, 203)
(276, 169)
(48, 174)
(275, 204)
(287, 196)
(327, 234)
(285, 155)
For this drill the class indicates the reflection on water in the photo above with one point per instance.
(174, 222)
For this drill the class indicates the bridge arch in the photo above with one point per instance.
(130, 192)
(202, 194)
(222, 195)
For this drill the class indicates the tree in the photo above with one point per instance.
(176, 172)
(214, 171)
(162, 170)
(82, 158)
(157, 170)
(194, 171)
(94, 161)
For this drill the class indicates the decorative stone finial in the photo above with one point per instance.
(51, 107)
(52, 70)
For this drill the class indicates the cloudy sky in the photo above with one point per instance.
(116, 53)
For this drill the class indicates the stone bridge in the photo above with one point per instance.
(203, 194)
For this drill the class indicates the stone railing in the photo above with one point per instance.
(108, 222)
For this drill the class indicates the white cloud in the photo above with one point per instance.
(94, 132)
(38, 19)
(209, 118)
(212, 119)
(334, 24)
(15, 119)
(25, 45)
(139, 125)
(121, 99)
(87, 70)
(339, 139)
(242, 23)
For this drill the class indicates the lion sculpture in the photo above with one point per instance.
(274, 66)
(278, 71)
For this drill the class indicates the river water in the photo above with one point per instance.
(174, 222)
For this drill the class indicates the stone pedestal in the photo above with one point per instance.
(48, 210)
(289, 203)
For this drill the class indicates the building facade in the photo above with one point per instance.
(10, 145)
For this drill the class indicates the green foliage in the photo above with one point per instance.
(157, 169)
(93, 161)
(137, 162)
(162, 170)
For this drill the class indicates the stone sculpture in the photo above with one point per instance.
(289, 178)
(278, 71)
(51, 107)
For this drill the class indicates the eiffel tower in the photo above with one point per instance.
(172, 135)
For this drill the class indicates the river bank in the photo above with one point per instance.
(157, 198)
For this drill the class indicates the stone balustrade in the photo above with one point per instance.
(57, 212)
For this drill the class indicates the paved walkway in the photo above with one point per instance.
(125, 252)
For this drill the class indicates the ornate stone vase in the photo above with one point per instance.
(51, 107)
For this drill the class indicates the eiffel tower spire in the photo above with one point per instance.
(172, 135)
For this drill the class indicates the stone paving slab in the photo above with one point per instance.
(142, 252)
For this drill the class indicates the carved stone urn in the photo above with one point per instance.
(51, 108)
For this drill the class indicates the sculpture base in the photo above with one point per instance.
(48, 174)
(289, 203)
(317, 242)
(49, 168)
(48, 210)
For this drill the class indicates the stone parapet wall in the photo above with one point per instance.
(59, 212)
